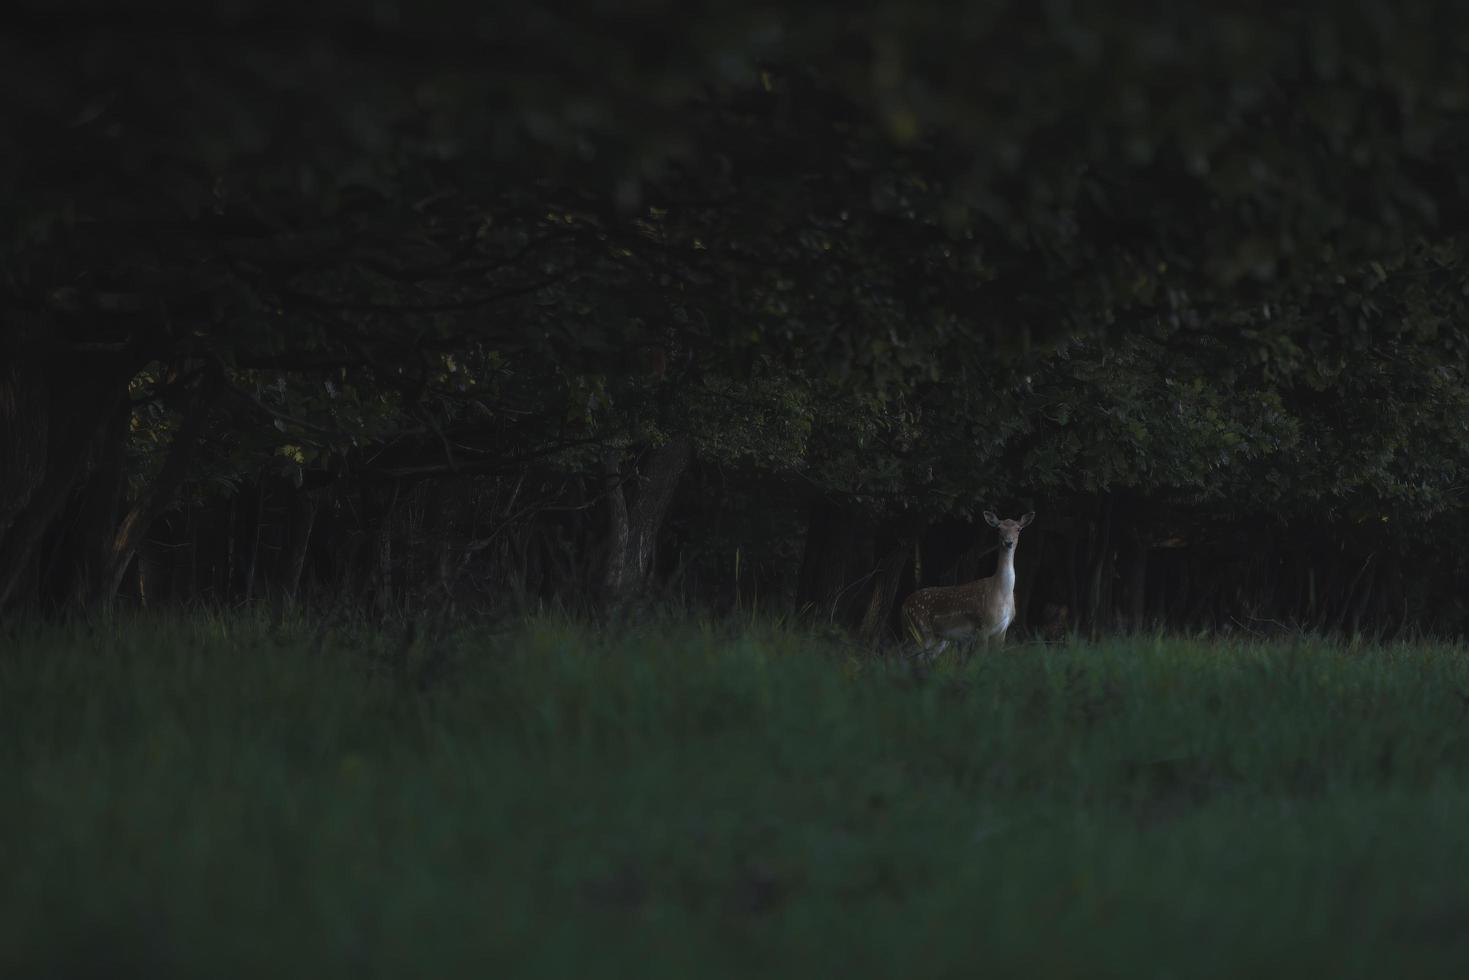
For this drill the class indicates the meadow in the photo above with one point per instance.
(221, 797)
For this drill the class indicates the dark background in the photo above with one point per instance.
(444, 307)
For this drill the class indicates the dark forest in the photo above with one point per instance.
(400, 310)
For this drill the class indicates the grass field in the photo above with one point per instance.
(218, 798)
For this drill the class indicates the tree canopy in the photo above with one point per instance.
(514, 270)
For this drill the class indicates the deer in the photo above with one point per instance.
(983, 608)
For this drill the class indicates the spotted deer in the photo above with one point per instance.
(982, 609)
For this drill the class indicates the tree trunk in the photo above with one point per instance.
(159, 494)
(661, 470)
(1100, 571)
(232, 531)
(79, 565)
(1075, 563)
(293, 564)
(183, 559)
(886, 579)
(257, 524)
(75, 406)
(145, 567)
(384, 571)
(614, 575)
(813, 586)
(633, 532)
(1137, 582)
(1029, 561)
(24, 423)
(836, 556)
(382, 574)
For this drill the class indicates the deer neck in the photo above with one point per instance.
(1005, 571)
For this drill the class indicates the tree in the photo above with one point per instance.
(884, 267)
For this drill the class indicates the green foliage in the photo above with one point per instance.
(678, 799)
(918, 257)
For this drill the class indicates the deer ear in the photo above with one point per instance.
(1027, 519)
(991, 519)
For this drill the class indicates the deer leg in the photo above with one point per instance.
(982, 640)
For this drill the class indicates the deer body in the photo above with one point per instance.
(982, 609)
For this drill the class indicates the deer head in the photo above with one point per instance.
(1009, 530)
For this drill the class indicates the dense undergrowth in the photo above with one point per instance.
(220, 797)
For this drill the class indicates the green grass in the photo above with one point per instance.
(219, 798)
